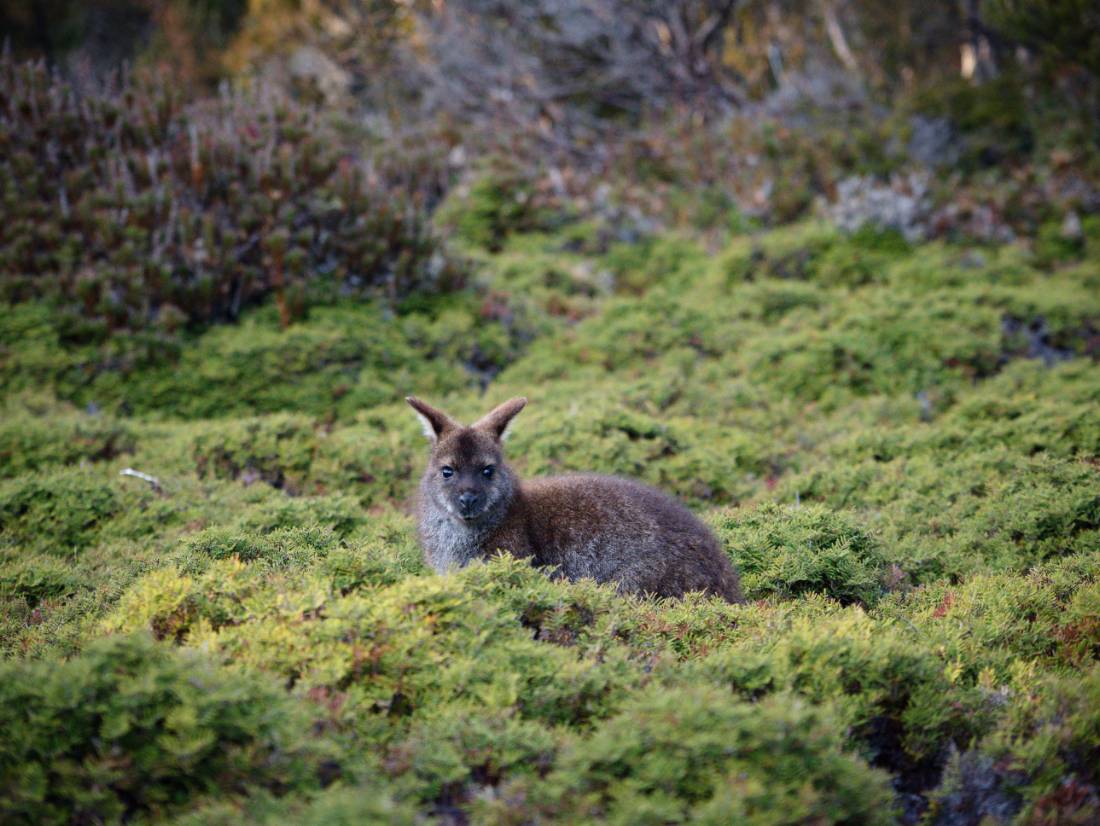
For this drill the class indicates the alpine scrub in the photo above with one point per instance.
(895, 442)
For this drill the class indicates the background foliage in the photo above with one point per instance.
(828, 272)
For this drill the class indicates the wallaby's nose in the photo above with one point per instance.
(468, 501)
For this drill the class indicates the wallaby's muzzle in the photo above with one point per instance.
(469, 504)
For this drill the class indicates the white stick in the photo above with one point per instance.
(145, 477)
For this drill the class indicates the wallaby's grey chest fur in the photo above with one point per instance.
(448, 544)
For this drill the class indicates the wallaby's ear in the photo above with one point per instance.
(497, 420)
(435, 422)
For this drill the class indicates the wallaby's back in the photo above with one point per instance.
(618, 530)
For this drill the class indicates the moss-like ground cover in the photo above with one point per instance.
(899, 446)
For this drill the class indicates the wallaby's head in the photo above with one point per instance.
(467, 476)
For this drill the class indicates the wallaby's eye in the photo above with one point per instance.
(447, 471)
(487, 471)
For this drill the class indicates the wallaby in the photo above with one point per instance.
(604, 527)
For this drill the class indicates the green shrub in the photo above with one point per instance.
(450, 757)
(338, 512)
(278, 450)
(1030, 408)
(61, 512)
(890, 686)
(816, 253)
(500, 201)
(382, 554)
(35, 434)
(35, 577)
(789, 253)
(770, 299)
(862, 258)
(625, 336)
(375, 459)
(341, 806)
(537, 283)
(903, 443)
(334, 363)
(1048, 749)
(699, 754)
(895, 343)
(284, 547)
(655, 260)
(673, 452)
(943, 516)
(172, 604)
(1053, 247)
(991, 623)
(411, 647)
(787, 551)
(133, 729)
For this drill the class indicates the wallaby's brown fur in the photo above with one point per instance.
(603, 527)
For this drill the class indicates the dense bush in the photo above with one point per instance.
(499, 202)
(1038, 766)
(35, 577)
(790, 551)
(896, 442)
(1049, 748)
(782, 260)
(336, 363)
(61, 512)
(701, 755)
(37, 433)
(277, 450)
(137, 210)
(134, 729)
